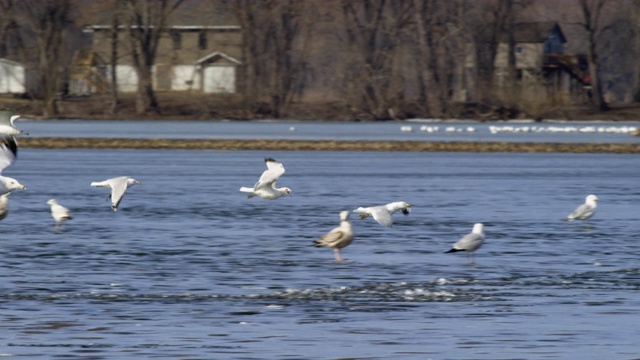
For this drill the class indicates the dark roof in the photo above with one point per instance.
(536, 32)
(191, 13)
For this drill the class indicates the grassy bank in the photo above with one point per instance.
(325, 145)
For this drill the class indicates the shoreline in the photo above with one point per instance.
(325, 145)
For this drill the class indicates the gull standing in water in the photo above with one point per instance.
(7, 117)
(118, 186)
(338, 237)
(584, 211)
(59, 213)
(382, 214)
(266, 185)
(8, 154)
(470, 242)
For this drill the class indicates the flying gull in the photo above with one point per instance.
(8, 154)
(7, 117)
(382, 214)
(266, 185)
(337, 238)
(118, 186)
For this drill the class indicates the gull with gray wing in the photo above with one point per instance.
(584, 211)
(8, 155)
(7, 117)
(470, 242)
(118, 186)
(59, 213)
(266, 185)
(382, 214)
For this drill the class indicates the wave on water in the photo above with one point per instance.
(440, 290)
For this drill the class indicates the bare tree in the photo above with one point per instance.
(49, 21)
(113, 60)
(274, 51)
(7, 23)
(288, 63)
(591, 23)
(374, 29)
(636, 15)
(145, 21)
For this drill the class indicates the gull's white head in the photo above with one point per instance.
(344, 215)
(13, 184)
(52, 202)
(286, 190)
(131, 182)
(477, 228)
(591, 199)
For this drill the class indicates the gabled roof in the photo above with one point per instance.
(10, 62)
(217, 54)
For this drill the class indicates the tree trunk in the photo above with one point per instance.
(591, 13)
(428, 89)
(114, 63)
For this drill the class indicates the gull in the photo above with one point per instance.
(7, 117)
(266, 185)
(59, 213)
(8, 154)
(338, 237)
(470, 242)
(118, 186)
(584, 211)
(4, 205)
(382, 214)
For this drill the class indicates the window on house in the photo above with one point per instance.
(519, 50)
(176, 37)
(202, 40)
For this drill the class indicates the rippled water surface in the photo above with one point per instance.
(188, 268)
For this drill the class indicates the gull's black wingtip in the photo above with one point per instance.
(452, 251)
(10, 143)
(270, 159)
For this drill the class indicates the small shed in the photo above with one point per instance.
(218, 73)
(12, 77)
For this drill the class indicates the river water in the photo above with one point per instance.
(188, 268)
(416, 130)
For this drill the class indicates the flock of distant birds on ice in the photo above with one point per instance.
(515, 129)
(336, 239)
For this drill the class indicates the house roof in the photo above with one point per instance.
(217, 54)
(10, 62)
(536, 32)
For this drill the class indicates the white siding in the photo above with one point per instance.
(11, 78)
(126, 77)
(184, 77)
(219, 79)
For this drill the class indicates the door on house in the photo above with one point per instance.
(163, 77)
(219, 79)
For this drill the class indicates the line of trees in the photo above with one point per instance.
(376, 59)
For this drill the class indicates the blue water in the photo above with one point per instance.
(188, 268)
(583, 132)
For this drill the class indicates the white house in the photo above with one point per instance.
(12, 77)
